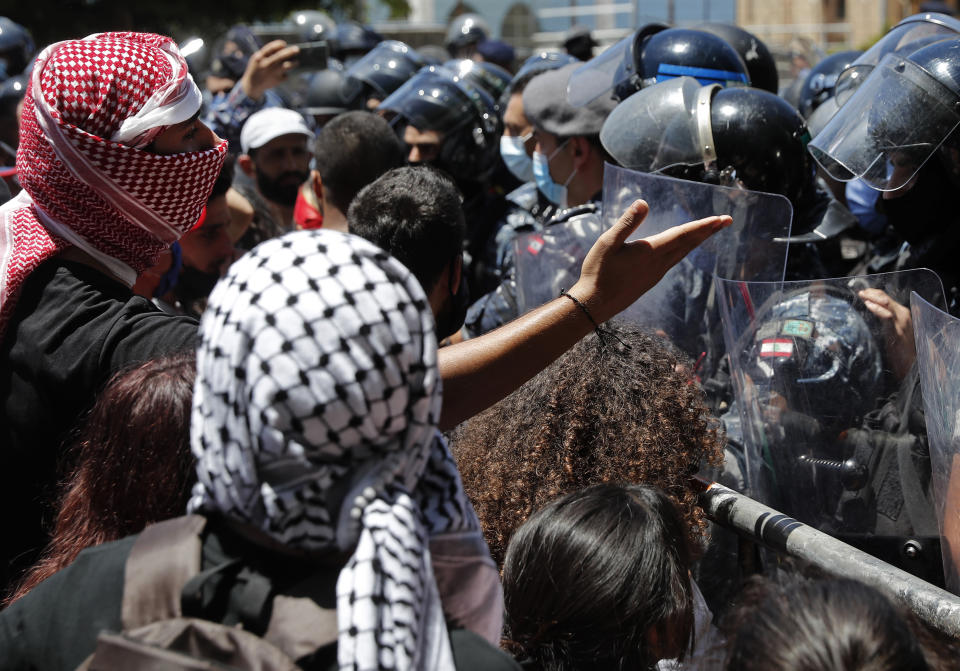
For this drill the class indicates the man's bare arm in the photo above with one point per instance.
(481, 371)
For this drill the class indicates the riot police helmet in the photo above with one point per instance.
(353, 39)
(491, 78)
(386, 67)
(328, 92)
(738, 136)
(654, 54)
(815, 350)
(542, 61)
(438, 99)
(911, 34)
(312, 25)
(820, 82)
(896, 120)
(16, 48)
(464, 33)
(760, 63)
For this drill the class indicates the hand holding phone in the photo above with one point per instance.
(311, 56)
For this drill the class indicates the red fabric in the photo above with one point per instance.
(305, 215)
(201, 220)
(126, 203)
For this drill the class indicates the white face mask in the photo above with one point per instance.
(515, 156)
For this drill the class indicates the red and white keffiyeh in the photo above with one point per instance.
(92, 107)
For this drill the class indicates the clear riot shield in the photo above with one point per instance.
(829, 409)
(681, 305)
(937, 335)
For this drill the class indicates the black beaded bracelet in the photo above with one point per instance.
(596, 327)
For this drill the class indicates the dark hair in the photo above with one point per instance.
(224, 179)
(414, 214)
(600, 413)
(352, 151)
(133, 464)
(822, 625)
(599, 580)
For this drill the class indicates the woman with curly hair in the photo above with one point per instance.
(621, 409)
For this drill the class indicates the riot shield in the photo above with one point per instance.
(829, 411)
(681, 305)
(937, 336)
(550, 260)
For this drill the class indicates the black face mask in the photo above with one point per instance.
(454, 312)
(926, 209)
(283, 194)
(193, 284)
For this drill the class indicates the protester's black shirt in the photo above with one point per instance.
(72, 328)
(55, 626)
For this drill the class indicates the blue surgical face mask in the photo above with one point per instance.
(555, 193)
(515, 156)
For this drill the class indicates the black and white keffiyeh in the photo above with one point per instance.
(314, 420)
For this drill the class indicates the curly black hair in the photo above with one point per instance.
(602, 413)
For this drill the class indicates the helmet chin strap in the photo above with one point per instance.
(708, 148)
(705, 127)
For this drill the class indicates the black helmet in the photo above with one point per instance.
(732, 136)
(327, 92)
(386, 67)
(491, 78)
(16, 48)
(654, 54)
(312, 25)
(439, 99)
(759, 61)
(353, 39)
(465, 32)
(897, 118)
(816, 350)
(818, 87)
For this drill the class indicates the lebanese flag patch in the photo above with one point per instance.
(535, 245)
(776, 347)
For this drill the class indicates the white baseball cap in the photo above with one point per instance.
(269, 124)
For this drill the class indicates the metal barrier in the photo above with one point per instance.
(936, 607)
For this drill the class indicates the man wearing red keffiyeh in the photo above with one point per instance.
(114, 167)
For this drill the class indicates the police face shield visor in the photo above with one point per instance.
(937, 335)
(601, 75)
(433, 99)
(911, 34)
(661, 127)
(808, 363)
(889, 128)
(491, 78)
(386, 67)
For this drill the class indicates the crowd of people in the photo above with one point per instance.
(329, 352)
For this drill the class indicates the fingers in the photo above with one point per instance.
(878, 302)
(878, 310)
(677, 242)
(626, 224)
(283, 56)
(269, 49)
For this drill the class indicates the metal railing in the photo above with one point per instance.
(764, 525)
